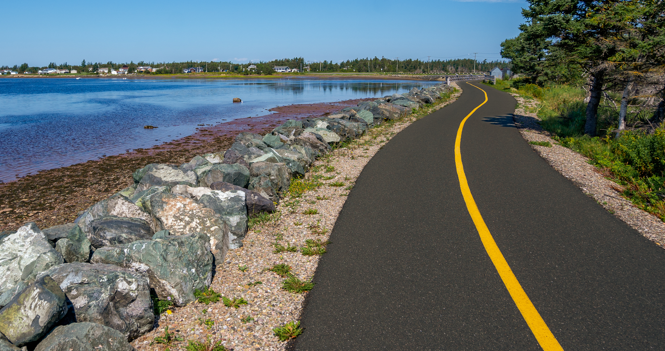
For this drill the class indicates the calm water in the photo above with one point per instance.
(51, 123)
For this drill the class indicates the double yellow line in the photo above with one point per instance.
(533, 319)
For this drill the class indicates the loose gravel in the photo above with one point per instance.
(245, 273)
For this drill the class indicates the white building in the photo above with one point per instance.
(74, 71)
(123, 70)
(48, 71)
(251, 67)
(104, 70)
(282, 69)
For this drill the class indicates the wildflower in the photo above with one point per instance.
(169, 312)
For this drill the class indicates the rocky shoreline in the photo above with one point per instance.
(160, 241)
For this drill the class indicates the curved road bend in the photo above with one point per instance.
(407, 269)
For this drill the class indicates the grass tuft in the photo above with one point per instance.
(541, 143)
(288, 331)
(282, 270)
(235, 302)
(295, 285)
(207, 296)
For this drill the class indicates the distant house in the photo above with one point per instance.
(282, 69)
(251, 67)
(73, 71)
(500, 73)
(48, 71)
(5, 72)
(144, 69)
(306, 68)
(193, 70)
(103, 70)
(13, 72)
(123, 70)
(295, 70)
(62, 71)
(114, 72)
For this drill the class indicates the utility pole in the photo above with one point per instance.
(428, 63)
(474, 62)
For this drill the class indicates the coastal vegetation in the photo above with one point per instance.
(597, 73)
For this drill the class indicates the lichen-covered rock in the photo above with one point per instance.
(162, 234)
(327, 135)
(366, 116)
(9, 294)
(269, 156)
(120, 206)
(111, 230)
(5, 345)
(295, 161)
(84, 337)
(175, 266)
(231, 207)
(182, 215)
(269, 179)
(235, 174)
(32, 313)
(233, 156)
(273, 140)
(25, 254)
(142, 198)
(75, 247)
(165, 175)
(106, 294)
(58, 232)
(214, 158)
(196, 162)
(255, 202)
(251, 140)
(406, 103)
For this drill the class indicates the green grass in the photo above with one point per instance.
(281, 248)
(207, 346)
(299, 186)
(247, 319)
(160, 306)
(235, 302)
(288, 331)
(337, 184)
(167, 339)
(295, 285)
(206, 295)
(282, 270)
(262, 218)
(320, 198)
(242, 268)
(314, 247)
(258, 282)
(330, 169)
(209, 323)
(310, 211)
(541, 143)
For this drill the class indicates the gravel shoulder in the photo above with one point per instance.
(309, 217)
(587, 177)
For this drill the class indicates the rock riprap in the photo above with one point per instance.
(84, 337)
(111, 230)
(181, 215)
(25, 254)
(162, 175)
(33, 312)
(175, 266)
(106, 294)
(231, 207)
(254, 201)
(118, 206)
(75, 247)
(236, 174)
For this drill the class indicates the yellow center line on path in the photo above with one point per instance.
(533, 319)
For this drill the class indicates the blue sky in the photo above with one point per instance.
(39, 31)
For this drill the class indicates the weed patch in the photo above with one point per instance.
(206, 295)
(295, 285)
(288, 331)
(541, 143)
(235, 302)
(282, 270)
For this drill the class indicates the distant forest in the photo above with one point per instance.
(374, 65)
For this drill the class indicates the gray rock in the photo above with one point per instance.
(128, 191)
(295, 161)
(32, 313)
(162, 234)
(367, 116)
(9, 294)
(120, 206)
(58, 232)
(405, 103)
(165, 175)
(106, 294)
(269, 179)
(5, 345)
(231, 207)
(232, 157)
(269, 156)
(273, 140)
(84, 337)
(75, 247)
(111, 230)
(181, 215)
(327, 135)
(175, 266)
(196, 162)
(235, 174)
(214, 158)
(25, 254)
(254, 201)
(142, 199)
(251, 140)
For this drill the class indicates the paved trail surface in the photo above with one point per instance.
(407, 269)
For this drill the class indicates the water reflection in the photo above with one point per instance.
(50, 123)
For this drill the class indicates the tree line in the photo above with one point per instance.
(372, 65)
(609, 45)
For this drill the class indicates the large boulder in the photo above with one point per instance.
(84, 337)
(181, 215)
(269, 179)
(388, 111)
(106, 294)
(142, 199)
(366, 116)
(25, 254)
(5, 345)
(231, 207)
(111, 230)
(55, 233)
(8, 295)
(233, 157)
(327, 135)
(120, 206)
(235, 174)
(175, 266)
(164, 175)
(269, 156)
(295, 161)
(254, 201)
(406, 103)
(273, 140)
(251, 140)
(32, 313)
(75, 247)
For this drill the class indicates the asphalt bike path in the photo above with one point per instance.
(520, 259)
